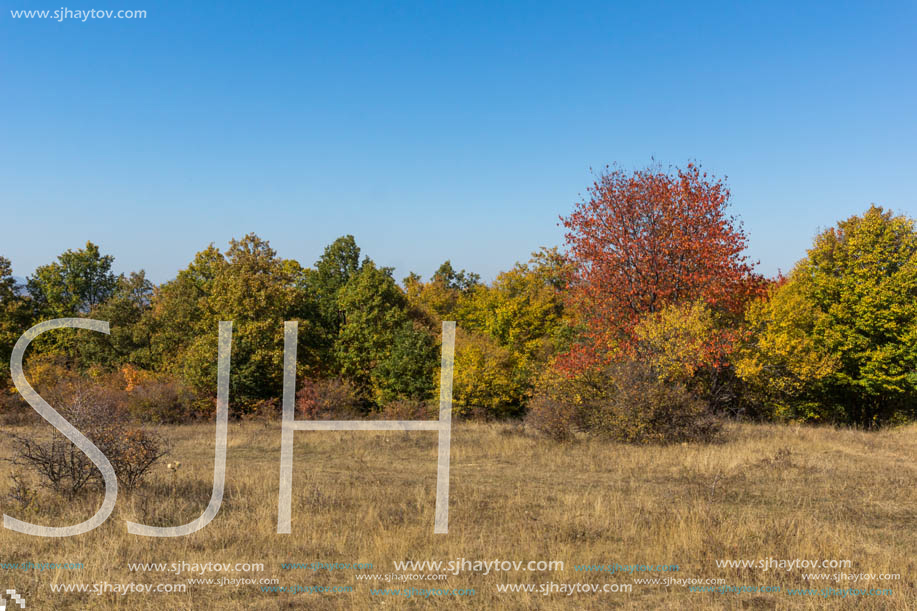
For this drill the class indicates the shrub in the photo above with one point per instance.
(97, 412)
(692, 344)
(133, 452)
(558, 420)
(162, 402)
(643, 408)
(327, 399)
(409, 409)
(559, 401)
(59, 464)
(627, 401)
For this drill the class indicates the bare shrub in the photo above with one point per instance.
(21, 492)
(98, 412)
(642, 407)
(408, 409)
(553, 418)
(59, 464)
(327, 399)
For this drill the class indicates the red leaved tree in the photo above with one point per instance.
(647, 239)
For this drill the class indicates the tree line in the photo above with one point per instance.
(360, 331)
(648, 324)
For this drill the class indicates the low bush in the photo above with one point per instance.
(553, 418)
(628, 402)
(162, 402)
(409, 409)
(98, 412)
(327, 399)
(642, 407)
(560, 400)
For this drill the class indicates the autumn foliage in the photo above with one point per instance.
(837, 340)
(647, 239)
(647, 327)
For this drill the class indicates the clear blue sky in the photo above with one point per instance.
(437, 130)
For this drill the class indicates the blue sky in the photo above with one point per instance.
(438, 130)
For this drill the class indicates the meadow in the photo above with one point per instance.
(766, 491)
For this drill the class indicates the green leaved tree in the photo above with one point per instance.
(374, 314)
(251, 286)
(77, 281)
(837, 341)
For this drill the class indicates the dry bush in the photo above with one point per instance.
(59, 464)
(99, 413)
(162, 402)
(327, 399)
(408, 409)
(558, 420)
(14, 411)
(643, 408)
(133, 452)
(628, 402)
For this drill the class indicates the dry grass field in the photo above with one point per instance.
(765, 492)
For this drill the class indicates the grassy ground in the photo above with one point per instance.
(768, 491)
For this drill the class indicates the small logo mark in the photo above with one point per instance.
(13, 597)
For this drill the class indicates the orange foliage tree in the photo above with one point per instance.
(644, 240)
